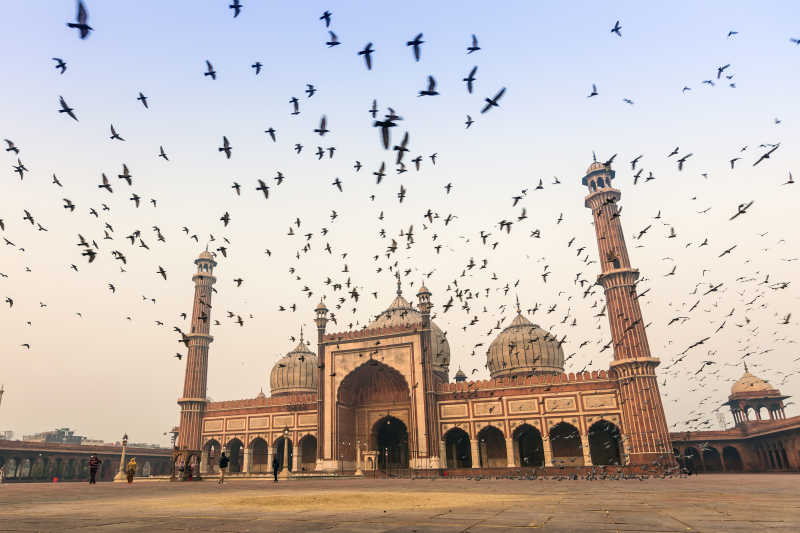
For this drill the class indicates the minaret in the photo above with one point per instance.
(645, 426)
(432, 436)
(193, 401)
(321, 321)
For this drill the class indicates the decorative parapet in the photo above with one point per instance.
(533, 380)
(371, 332)
(272, 401)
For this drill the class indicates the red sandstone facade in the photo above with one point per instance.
(381, 397)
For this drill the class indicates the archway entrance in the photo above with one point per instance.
(604, 443)
(530, 448)
(373, 387)
(211, 453)
(307, 459)
(259, 456)
(712, 460)
(565, 441)
(492, 447)
(732, 459)
(235, 448)
(692, 460)
(391, 440)
(278, 447)
(457, 447)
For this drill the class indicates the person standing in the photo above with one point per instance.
(223, 464)
(276, 466)
(94, 465)
(131, 470)
(2, 474)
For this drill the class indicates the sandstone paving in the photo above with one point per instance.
(706, 503)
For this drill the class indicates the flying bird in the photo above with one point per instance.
(323, 123)
(616, 29)
(226, 147)
(257, 66)
(115, 135)
(367, 53)
(60, 64)
(474, 47)
(237, 8)
(326, 16)
(80, 21)
(470, 79)
(143, 99)
(65, 108)
(431, 90)
(594, 91)
(162, 272)
(333, 40)
(415, 43)
(492, 102)
(210, 70)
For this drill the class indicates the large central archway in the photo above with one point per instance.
(390, 438)
(371, 394)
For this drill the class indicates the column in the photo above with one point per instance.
(294, 459)
(203, 462)
(548, 451)
(246, 461)
(476, 458)
(587, 453)
(510, 453)
(269, 458)
(443, 454)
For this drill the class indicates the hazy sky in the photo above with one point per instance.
(112, 369)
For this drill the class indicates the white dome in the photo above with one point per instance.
(524, 348)
(295, 372)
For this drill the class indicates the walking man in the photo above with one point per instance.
(276, 466)
(223, 464)
(131, 470)
(94, 465)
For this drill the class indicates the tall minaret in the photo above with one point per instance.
(193, 401)
(645, 426)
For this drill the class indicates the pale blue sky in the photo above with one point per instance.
(104, 375)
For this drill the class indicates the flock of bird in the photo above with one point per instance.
(466, 295)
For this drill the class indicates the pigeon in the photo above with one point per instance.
(333, 40)
(470, 79)
(236, 6)
(492, 102)
(367, 53)
(60, 64)
(66, 109)
(415, 43)
(80, 21)
(474, 47)
(210, 70)
(616, 29)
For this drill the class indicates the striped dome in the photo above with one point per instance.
(524, 348)
(295, 372)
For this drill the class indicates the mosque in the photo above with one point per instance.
(380, 398)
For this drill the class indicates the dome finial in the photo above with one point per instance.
(399, 288)
(745, 366)
(519, 312)
(594, 157)
(301, 333)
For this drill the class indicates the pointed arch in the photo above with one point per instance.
(259, 456)
(492, 448)
(458, 451)
(605, 443)
(528, 446)
(565, 442)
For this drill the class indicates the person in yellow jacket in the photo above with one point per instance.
(131, 469)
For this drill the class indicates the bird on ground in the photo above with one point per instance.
(257, 66)
(143, 99)
(237, 8)
(470, 79)
(210, 70)
(594, 91)
(474, 47)
(415, 43)
(616, 29)
(333, 40)
(80, 21)
(60, 64)
(115, 135)
(65, 108)
(493, 102)
(226, 147)
(367, 53)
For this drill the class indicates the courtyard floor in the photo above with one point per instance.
(722, 502)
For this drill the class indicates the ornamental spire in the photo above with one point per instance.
(519, 312)
(399, 288)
